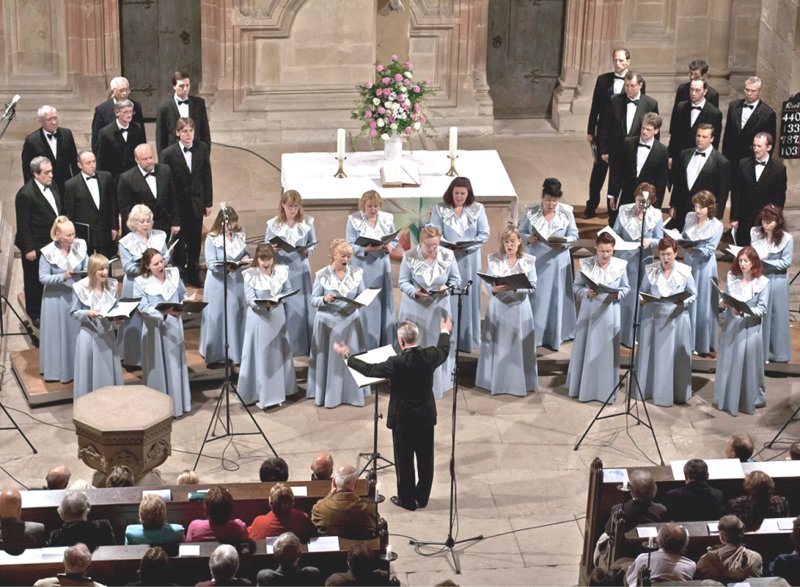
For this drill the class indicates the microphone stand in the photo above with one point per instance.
(632, 399)
(227, 385)
(450, 542)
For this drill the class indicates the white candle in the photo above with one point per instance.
(340, 144)
(377, 491)
(453, 141)
(388, 551)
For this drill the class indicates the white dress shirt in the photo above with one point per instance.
(696, 164)
(183, 109)
(694, 112)
(94, 188)
(746, 111)
(47, 192)
(151, 182)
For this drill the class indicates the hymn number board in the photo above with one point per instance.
(790, 129)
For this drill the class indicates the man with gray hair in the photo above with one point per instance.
(117, 140)
(53, 142)
(77, 559)
(287, 550)
(746, 118)
(342, 512)
(668, 562)
(119, 89)
(74, 512)
(412, 407)
(641, 509)
(223, 564)
(150, 183)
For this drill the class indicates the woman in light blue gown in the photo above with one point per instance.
(293, 226)
(373, 223)
(141, 237)
(212, 330)
(163, 350)
(266, 378)
(664, 355)
(507, 363)
(426, 274)
(59, 262)
(739, 380)
(329, 381)
(553, 303)
(775, 248)
(702, 225)
(461, 218)
(593, 370)
(628, 225)
(97, 363)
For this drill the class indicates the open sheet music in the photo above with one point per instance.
(373, 357)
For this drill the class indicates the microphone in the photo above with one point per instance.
(11, 106)
(645, 200)
(466, 287)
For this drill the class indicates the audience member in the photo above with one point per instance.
(361, 569)
(641, 509)
(223, 564)
(322, 467)
(668, 562)
(274, 469)
(120, 476)
(759, 501)
(80, 485)
(282, 517)
(788, 565)
(739, 446)
(58, 477)
(187, 477)
(154, 569)
(74, 512)
(697, 500)
(16, 535)
(287, 552)
(154, 528)
(218, 525)
(731, 561)
(342, 512)
(794, 452)
(77, 559)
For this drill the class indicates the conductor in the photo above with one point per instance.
(412, 408)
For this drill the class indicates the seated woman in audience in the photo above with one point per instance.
(120, 476)
(668, 563)
(774, 246)
(60, 261)
(664, 360)
(507, 362)
(283, 517)
(788, 565)
(759, 501)
(218, 525)
(154, 528)
(74, 512)
(731, 561)
(594, 365)
(187, 477)
(739, 381)
(154, 569)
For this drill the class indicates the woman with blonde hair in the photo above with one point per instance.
(59, 262)
(97, 363)
(329, 381)
(296, 229)
(154, 528)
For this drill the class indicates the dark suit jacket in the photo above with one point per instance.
(192, 188)
(613, 134)
(603, 90)
(624, 179)
(114, 154)
(410, 375)
(682, 134)
(168, 115)
(80, 207)
(296, 576)
(104, 114)
(714, 177)
(16, 535)
(132, 189)
(35, 217)
(737, 141)
(693, 502)
(92, 533)
(64, 167)
(682, 94)
(749, 196)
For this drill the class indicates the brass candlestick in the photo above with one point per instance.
(452, 171)
(340, 173)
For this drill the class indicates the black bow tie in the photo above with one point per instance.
(149, 174)
(699, 153)
(634, 102)
(697, 107)
(620, 77)
(643, 145)
(750, 106)
(764, 163)
(119, 131)
(91, 177)
(187, 149)
(45, 188)
(181, 102)
(52, 136)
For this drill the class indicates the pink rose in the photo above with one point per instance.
(368, 85)
(386, 80)
(407, 82)
(417, 107)
(395, 57)
(373, 124)
(406, 105)
(373, 133)
(414, 117)
(422, 119)
(368, 114)
(407, 130)
(381, 110)
(379, 92)
(415, 89)
(409, 65)
(379, 67)
(398, 77)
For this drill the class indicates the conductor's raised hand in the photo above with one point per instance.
(446, 324)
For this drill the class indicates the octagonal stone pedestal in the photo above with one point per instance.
(124, 425)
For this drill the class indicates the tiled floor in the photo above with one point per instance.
(520, 484)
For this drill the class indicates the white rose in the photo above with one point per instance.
(381, 123)
(404, 90)
(385, 136)
(417, 126)
(408, 74)
(393, 126)
(376, 101)
(388, 104)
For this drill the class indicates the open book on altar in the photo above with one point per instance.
(399, 175)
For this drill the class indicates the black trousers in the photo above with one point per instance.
(187, 251)
(32, 286)
(596, 181)
(416, 442)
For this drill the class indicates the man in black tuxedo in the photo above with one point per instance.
(746, 118)
(149, 183)
(624, 119)
(412, 407)
(91, 198)
(644, 161)
(190, 165)
(57, 144)
(116, 142)
(37, 204)
(181, 105)
(696, 500)
(689, 115)
(699, 168)
(697, 70)
(104, 112)
(759, 180)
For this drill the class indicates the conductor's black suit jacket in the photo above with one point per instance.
(410, 375)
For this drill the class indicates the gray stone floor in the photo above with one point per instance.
(520, 483)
